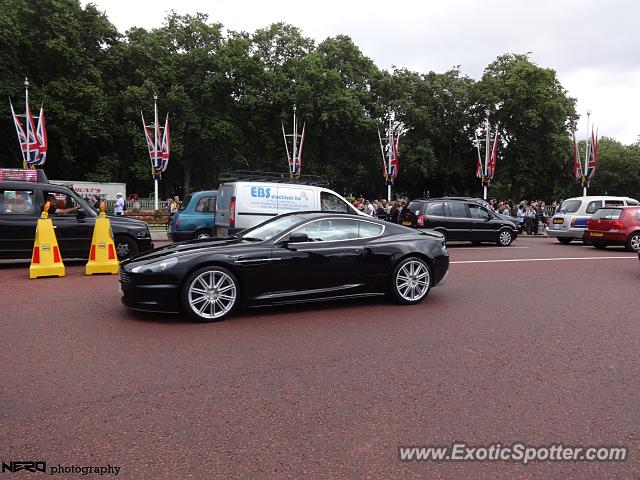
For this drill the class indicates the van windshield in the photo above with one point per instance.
(570, 206)
(270, 228)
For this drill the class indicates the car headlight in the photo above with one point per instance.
(155, 267)
(444, 247)
(144, 233)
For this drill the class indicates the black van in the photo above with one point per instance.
(23, 194)
(459, 220)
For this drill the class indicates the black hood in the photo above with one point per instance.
(125, 222)
(188, 247)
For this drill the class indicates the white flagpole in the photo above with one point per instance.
(486, 155)
(390, 142)
(26, 101)
(295, 141)
(586, 158)
(155, 153)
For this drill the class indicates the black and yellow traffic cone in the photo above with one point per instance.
(102, 257)
(46, 260)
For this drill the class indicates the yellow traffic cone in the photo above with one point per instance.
(102, 258)
(46, 260)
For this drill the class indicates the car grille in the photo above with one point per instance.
(125, 277)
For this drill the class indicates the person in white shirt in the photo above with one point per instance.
(369, 209)
(119, 208)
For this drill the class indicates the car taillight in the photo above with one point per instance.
(232, 212)
(421, 220)
(618, 225)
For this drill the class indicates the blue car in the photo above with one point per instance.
(195, 218)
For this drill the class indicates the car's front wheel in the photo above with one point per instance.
(411, 281)
(505, 237)
(210, 294)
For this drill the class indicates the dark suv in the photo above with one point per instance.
(23, 194)
(459, 220)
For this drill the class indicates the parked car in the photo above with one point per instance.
(459, 220)
(615, 226)
(292, 258)
(195, 218)
(488, 206)
(247, 199)
(570, 221)
(23, 194)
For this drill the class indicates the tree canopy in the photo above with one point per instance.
(228, 92)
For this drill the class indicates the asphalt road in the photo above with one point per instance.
(541, 349)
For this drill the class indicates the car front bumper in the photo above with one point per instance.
(162, 297)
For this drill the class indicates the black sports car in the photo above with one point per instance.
(297, 257)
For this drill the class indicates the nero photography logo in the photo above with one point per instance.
(30, 466)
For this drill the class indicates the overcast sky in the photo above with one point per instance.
(594, 46)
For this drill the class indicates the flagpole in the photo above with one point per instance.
(586, 159)
(486, 155)
(295, 141)
(155, 153)
(26, 101)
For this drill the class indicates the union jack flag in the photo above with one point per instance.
(160, 157)
(491, 164)
(479, 172)
(592, 158)
(577, 166)
(33, 140)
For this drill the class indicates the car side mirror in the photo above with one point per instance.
(488, 217)
(81, 213)
(298, 238)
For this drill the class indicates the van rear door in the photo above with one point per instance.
(226, 192)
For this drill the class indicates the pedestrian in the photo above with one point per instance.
(529, 218)
(520, 216)
(540, 218)
(368, 208)
(119, 206)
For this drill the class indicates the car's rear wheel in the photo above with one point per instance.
(125, 246)
(633, 242)
(202, 234)
(599, 244)
(565, 240)
(505, 237)
(210, 294)
(411, 281)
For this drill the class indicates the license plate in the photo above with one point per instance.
(596, 234)
(558, 220)
(406, 222)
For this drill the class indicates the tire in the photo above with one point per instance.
(505, 237)
(565, 240)
(633, 242)
(125, 246)
(599, 244)
(207, 284)
(411, 281)
(203, 233)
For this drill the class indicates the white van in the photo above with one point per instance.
(245, 203)
(570, 221)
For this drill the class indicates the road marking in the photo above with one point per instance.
(540, 259)
(478, 248)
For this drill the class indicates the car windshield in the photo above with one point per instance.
(270, 228)
(570, 206)
(608, 213)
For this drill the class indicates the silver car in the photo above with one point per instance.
(570, 220)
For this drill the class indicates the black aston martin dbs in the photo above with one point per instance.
(297, 257)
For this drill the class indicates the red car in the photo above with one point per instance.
(615, 226)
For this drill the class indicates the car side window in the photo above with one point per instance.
(478, 212)
(61, 203)
(594, 206)
(613, 203)
(457, 210)
(331, 203)
(16, 202)
(436, 209)
(368, 229)
(206, 205)
(329, 230)
(632, 202)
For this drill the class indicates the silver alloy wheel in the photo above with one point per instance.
(212, 294)
(122, 249)
(505, 238)
(413, 280)
(634, 241)
(203, 235)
